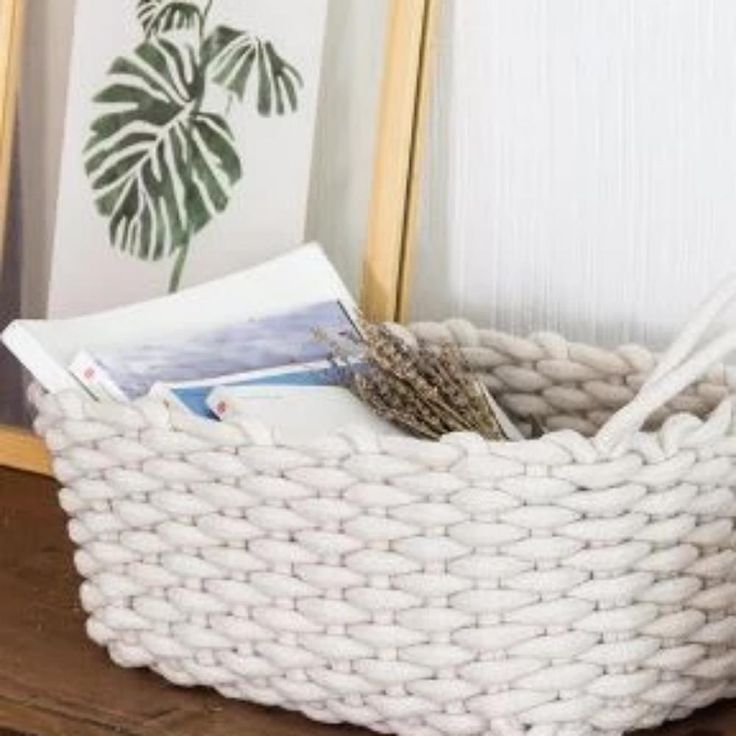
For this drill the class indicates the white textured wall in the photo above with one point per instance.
(581, 172)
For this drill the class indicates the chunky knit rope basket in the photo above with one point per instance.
(581, 583)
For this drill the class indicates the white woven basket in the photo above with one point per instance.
(581, 583)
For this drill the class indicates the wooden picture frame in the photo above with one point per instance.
(389, 252)
(11, 26)
(18, 449)
(392, 221)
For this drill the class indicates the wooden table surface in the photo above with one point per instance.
(54, 682)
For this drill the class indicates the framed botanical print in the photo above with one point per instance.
(187, 145)
(136, 217)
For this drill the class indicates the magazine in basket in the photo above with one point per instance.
(304, 277)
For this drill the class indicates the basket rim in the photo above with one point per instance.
(154, 413)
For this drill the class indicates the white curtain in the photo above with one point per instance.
(581, 167)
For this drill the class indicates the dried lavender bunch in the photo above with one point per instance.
(427, 390)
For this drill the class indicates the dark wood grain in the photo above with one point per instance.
(54, 682)
(8, 732)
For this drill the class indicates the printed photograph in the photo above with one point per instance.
(295, 337)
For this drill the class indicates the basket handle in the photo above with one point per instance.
(680, 366)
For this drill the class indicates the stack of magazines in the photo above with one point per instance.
(257, 344)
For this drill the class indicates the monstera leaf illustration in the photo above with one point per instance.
(161, 16)
(160, 167)
(232, 56)
(162, 162)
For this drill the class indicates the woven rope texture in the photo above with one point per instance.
(547, 587)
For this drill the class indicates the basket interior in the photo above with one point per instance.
(567, 385)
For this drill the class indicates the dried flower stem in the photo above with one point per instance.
(426, 390)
